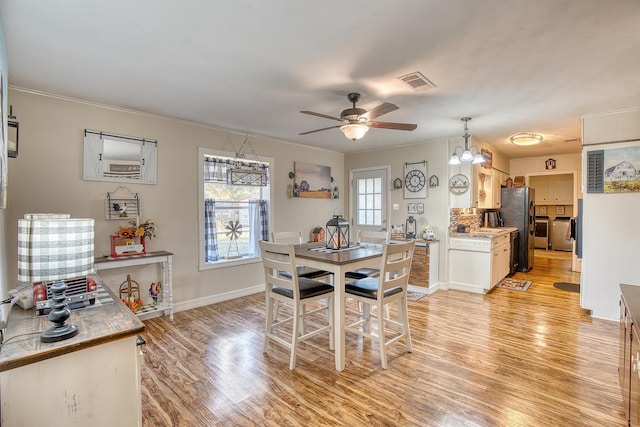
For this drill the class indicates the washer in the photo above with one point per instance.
(541, 234)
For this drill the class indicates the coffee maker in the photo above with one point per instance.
(493, 219)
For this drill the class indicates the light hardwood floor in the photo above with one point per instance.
(507, 358)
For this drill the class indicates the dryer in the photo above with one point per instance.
(560, 235)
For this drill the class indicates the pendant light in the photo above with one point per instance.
(467, 153)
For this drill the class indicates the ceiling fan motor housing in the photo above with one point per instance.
(352, 114)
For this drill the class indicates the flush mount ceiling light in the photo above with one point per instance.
(466, 153)
(354, 131)
(525, 138)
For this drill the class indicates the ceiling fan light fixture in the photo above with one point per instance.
(526, 138)
(354, 131)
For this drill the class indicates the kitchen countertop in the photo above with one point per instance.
(484, 233)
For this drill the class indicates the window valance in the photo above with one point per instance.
(235, 171)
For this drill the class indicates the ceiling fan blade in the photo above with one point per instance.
(391, 125)
(384, 108)
(322, 115)
(318, 130)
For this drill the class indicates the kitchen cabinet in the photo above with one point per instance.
(486, 185)
(553, 189)
(500, 259)
(424, 266)
(478, 262)
(629, 352)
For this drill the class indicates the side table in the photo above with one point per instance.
(161, 257)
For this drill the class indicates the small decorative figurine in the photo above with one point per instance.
(154, 291)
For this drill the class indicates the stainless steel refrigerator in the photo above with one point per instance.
(518, 210)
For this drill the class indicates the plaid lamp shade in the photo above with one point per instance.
(54, 248)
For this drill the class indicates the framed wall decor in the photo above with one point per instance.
(415, 208)
(433, 181)
(415, 180)
(488, 158)
(12, 138)
(397, 183)
(311, 181)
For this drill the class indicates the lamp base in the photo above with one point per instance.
(59, 333)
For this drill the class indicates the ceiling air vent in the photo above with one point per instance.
(416, 81)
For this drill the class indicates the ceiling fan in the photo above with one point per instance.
(357, 121)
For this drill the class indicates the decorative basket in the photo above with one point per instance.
(121, 247)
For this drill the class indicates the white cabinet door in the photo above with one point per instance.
(541, 185)
(561, 189)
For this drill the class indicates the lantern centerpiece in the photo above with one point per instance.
(338, 232)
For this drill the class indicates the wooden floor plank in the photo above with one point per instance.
(507, 358)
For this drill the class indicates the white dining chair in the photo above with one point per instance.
(297, 292)
(364, 237)
(295, 238)
(390, 286)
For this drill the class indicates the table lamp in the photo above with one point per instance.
(53, 247)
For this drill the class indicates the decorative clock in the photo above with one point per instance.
(459, 184)
(415, 180)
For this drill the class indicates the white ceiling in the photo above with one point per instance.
(252, 65)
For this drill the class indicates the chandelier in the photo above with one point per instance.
(467, 153)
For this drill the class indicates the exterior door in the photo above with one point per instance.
(368, 203)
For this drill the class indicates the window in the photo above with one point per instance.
(234, 206)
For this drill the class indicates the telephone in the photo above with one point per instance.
(23, 295)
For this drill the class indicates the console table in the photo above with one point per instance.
(161, 257)
(92, 379)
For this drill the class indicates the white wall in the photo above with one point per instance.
(436, 210)
(4, 275)
(47, 177)
(610, 221)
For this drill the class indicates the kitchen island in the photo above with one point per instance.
(90, 379)
(480, 259)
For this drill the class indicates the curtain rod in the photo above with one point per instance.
(133, 138)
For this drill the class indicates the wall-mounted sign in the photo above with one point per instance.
(550, 164)
(488, 158)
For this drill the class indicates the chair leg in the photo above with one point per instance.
(269, 319)
(277, 309)
(366, 316)
(295, 333)
(403, 311)
(382, 340)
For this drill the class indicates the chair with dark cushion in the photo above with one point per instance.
(297, 292)
(295, 238)
(390, 286)
(365, 237)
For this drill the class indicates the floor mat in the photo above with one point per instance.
(571, 287)
(415, 296)
(515, 284)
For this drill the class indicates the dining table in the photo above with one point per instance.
(338, 262)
